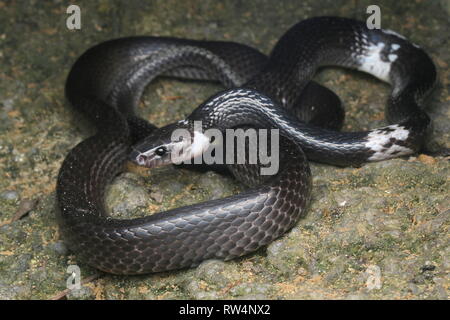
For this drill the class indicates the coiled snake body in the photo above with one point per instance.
(106, 82)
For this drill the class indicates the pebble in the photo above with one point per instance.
(426, 159)
(125, 196)
(59, 247)
(9, 195)
(212, 271)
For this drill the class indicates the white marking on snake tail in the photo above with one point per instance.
(392, 57)
(395, 46)
(371, 62)
(398, 35)
(384, 142)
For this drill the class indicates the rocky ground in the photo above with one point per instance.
(376, 232)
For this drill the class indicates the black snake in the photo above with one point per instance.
(106, 82)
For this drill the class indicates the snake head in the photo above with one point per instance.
(175, 143)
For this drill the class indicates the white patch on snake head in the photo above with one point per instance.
(199, 144)
(182, 147)
(371, 62)
(187, 149)
(387, 142)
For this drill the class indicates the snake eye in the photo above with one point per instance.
(161, 151)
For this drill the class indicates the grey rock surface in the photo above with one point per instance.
(376, 232)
